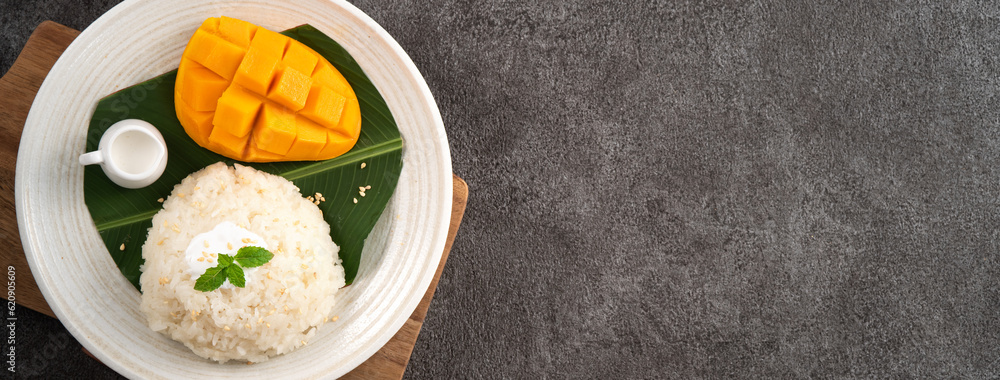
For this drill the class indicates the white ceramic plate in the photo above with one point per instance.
(137, 40)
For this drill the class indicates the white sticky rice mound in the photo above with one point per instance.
(286, 300)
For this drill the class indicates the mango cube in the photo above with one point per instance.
(350, 122)
(226, 143)
(257, 70)
(205, 96)
(236, 31)
(216, 54)
(236, 112)
(210, 25)
(336, 144)
(309, 141)
(291, 89)
(324, 106)
(330, 77)
(197, 124)
(300, 58)
(275, 129)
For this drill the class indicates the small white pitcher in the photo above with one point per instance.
(132, 154)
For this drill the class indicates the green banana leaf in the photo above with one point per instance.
(123, 216)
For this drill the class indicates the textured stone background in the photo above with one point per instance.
(694, 189)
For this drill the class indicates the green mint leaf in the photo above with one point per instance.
(211, 280)
(225, 260)
(235, 275)
(250, 257)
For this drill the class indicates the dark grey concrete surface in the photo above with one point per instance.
(713, 189)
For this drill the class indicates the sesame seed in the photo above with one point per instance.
(202, 259)
(310, 198)
(229, 245)
(122, 248)
(197, 187)
(363, 165)
(335, 318)
(303, 343)
(247, 325)
(205, 243)
(226, 328)
(319, 195)
(160, 200)
(268, 324)
(245, 240)
(369, 187)
(361, 189)
(362, 193)
(322, 199)
(355, 200)
(275, 219)
(181, 195)
(305, 266)
(296, 223)
(164, 280)
(160, 242)
(210, 260)
(268, 275)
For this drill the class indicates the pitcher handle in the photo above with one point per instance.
(91, 158)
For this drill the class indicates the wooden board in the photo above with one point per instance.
(17, 89)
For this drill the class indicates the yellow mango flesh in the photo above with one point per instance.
(254, 95)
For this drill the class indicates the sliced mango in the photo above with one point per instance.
(251, 94)
(226, 144)
(300, 58)
(215, 53)
(205, 96)
(236, 31)
(210, 25)
(236, 112)
(275, 131)
(291, 89)
(257, 69)
(310, 138)
(197, 124)
(324, 105)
